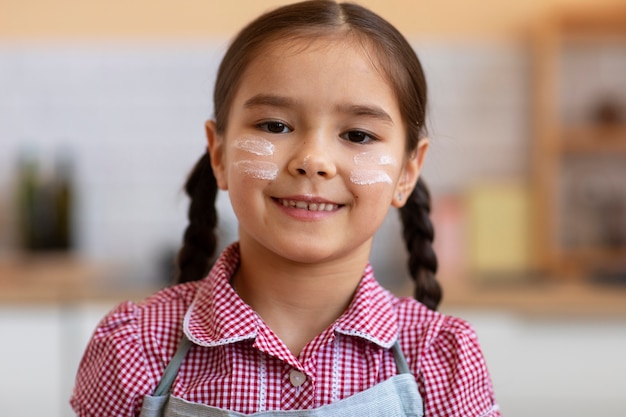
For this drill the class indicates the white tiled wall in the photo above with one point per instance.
(132, 117)
(479, 120)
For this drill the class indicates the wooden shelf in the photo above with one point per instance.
(594, 139)
(554, 141)
(597, 255)
(592, 22)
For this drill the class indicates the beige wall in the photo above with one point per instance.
(61, 19)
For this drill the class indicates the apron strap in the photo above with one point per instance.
(165, 385)
(398, 356)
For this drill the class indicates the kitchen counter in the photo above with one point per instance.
(55, 278)
(553, 298)
(65, 278)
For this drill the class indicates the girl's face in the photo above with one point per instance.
(314, 151)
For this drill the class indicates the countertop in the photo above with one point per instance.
(55, 278)
(554, 298)
(64, 278)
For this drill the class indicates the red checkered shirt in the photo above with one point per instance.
(238, 363)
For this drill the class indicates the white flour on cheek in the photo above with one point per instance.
(261, 170)
(369, 176)
(368, 171)
(259, 148)
(255, 145)
(373, 158)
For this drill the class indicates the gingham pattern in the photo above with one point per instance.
(238, 363)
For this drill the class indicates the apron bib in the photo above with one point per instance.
(396, 397)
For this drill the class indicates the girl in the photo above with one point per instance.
(318, 131)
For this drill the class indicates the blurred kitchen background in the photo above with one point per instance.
(102, 106)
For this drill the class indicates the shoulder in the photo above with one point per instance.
(158, 316)
(444, 353)
(128, 351)
(422, 329)
(166, 308)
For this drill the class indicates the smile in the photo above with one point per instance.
(303, 205)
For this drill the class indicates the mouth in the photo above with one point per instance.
(307, 205)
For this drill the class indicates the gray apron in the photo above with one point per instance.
(396, 397)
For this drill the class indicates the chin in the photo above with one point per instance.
(308, 254)
(300, 253)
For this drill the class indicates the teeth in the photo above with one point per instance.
(309, 206)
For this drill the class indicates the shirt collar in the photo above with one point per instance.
(371, 314)
(217, 316)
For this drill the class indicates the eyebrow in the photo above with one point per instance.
(361, 110)
(370, 111)
(269, 100)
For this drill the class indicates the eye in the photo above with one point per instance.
(358, 136)
(274, 127)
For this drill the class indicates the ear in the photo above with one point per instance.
(216, 151)
(410, 174)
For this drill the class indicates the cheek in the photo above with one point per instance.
(364, 176)
(261, 170)
(253, 157)
(371, 168)
(255, 145)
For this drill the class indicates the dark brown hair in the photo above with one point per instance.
(396, 61)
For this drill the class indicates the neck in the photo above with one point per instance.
(297, 301)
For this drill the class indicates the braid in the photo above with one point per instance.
(199, 239)
(418, 237)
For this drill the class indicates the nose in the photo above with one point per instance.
(313, 158)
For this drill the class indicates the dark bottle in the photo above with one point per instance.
(45, 205)
(63, 204)
(27, 195)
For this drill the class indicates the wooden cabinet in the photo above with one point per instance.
(579, 136)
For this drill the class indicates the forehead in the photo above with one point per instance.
(337, 60)
(338, 43)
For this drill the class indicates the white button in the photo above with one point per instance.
(296, 377)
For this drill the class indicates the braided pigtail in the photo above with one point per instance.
(199, 239)
(418, 237)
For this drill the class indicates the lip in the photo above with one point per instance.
(307, 207)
